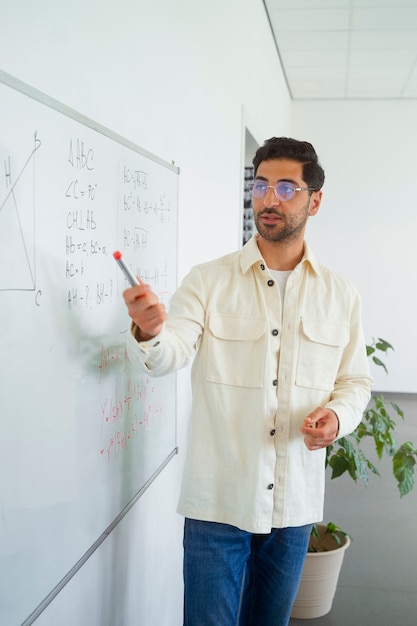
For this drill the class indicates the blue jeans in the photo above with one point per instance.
(236, 578)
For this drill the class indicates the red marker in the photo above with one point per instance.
(125, 269)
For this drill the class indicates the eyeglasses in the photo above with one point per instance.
(283, 191)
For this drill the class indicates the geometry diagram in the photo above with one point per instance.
(17, 222)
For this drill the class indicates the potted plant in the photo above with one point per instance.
(328, 543)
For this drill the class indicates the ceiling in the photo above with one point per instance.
(346, 49)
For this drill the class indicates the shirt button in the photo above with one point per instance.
(271, 486)
(262, 266)
(272, 433)
(270, 283)
(275, 382)
(275, 332)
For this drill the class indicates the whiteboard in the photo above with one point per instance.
(81, 434)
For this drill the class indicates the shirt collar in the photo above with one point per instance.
(311, 259)
(251, 255)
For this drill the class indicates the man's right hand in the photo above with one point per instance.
(146, 311)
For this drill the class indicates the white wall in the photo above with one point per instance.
(366, 227)
(180, 79)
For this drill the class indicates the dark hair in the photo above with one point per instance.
(300, 151)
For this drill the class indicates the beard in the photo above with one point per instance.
(286, 231)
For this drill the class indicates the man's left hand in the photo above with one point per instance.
(320, 428)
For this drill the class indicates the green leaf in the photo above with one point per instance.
(380, 363)
(379, 449)
(339, 465)
(403, 464)
(383, 345)
(336, 533)
(398, 410)
(373, 468)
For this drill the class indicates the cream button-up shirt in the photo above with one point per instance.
(260, 367)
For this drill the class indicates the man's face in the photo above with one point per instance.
(278, 220)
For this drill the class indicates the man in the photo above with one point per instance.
(279, 372)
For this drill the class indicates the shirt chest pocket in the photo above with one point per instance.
(320, 353)
(236, 350)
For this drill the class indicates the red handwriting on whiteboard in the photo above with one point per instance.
(127, 412)
(120, 438)
(110, 357)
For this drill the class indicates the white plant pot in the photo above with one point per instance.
(319, 580)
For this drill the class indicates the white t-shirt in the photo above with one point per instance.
(281, 277)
